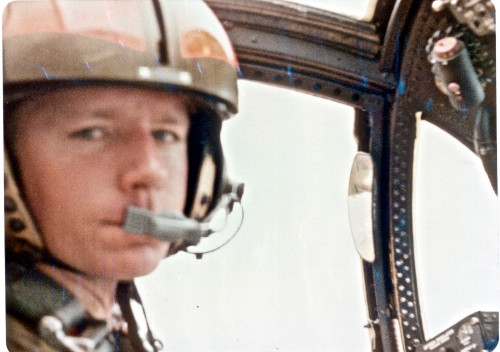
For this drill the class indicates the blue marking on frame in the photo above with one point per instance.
(89, 66)
(428, 105)
(402, 87)
(199, 68)
(364, 80)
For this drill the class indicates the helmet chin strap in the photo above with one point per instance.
(175, 226)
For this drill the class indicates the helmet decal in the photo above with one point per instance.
(198, 43)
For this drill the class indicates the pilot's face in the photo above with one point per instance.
(85, 155)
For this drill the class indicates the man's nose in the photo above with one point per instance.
(143, 167)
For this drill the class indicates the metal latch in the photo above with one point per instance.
(54, 330)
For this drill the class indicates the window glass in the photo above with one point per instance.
(456, 232)
(291, 280)
(360, 9)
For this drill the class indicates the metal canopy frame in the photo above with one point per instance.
(380, 68)
(315, 51)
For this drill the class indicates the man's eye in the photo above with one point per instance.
(165, 136)
(90, 133)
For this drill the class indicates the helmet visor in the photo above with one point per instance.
(119, 21)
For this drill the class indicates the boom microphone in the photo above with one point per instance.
(175, 226)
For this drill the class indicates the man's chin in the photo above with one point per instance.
(142, 264)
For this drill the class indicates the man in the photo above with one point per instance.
(112, 116)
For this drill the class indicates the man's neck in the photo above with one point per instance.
(96, 294)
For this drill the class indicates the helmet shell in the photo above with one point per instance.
(172, 45)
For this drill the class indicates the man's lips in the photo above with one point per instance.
(115, 216)
(112, 222)
(116, 228)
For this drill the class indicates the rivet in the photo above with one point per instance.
(228, 25)
(205, 199)
(258, 74)
(439, 5)
(16, 225)
(317, 86)
(474, 321)
(9, 205)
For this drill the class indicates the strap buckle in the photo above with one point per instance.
(54, 330)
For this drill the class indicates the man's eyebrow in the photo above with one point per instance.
(82, 113)
(104, 113)
(164, 117)
(173, 119)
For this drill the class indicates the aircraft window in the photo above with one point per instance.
(360, 9)
(291, 280)
(455, 232)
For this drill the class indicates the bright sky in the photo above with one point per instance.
(455, 223)
(355, 8)
(291, 279)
